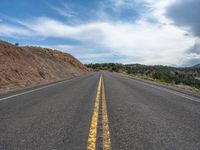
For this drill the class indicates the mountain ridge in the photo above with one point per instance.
(196, 66)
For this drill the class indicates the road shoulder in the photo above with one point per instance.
(190, 93)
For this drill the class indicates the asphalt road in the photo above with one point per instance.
(137, 115)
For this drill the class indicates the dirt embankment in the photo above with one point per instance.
(28, 66)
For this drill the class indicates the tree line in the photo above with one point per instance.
(188, 76)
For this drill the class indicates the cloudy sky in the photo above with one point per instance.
(165, 32)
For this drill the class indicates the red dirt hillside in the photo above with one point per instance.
(28, 66)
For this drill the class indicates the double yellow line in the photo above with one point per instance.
(94, 123)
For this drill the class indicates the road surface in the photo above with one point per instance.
(95, 111)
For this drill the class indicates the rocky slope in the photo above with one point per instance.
(28, 66)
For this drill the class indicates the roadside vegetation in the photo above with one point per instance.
(182, 77)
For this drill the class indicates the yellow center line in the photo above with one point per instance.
(94, 122)
(106, 133)
(93, 127)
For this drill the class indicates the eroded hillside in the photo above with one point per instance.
(27, 66)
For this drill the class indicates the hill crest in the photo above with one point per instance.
(28, 66)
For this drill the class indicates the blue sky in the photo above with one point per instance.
(95, 31)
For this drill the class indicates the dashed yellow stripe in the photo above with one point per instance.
(106, 133)
(93, 127)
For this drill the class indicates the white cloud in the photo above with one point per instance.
(142, 41)
(154, 45)
(160, 44)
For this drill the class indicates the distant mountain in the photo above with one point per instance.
(27, 66)
(197, 66)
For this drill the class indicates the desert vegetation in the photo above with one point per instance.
(180, 76)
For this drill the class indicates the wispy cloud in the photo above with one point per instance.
(14, 31)
(88, 54)
(63, 10)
